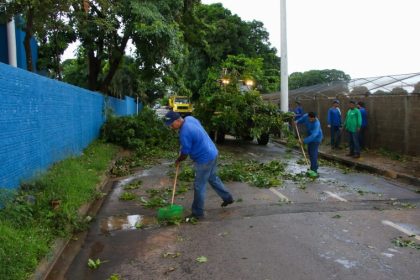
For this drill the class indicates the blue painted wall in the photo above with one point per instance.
(43, 121)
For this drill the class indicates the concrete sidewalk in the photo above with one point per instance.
(407, 169)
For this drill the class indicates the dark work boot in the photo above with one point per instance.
(227, 202)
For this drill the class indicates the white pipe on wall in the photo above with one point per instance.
(11, 42)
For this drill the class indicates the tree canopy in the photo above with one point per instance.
(175, 45)
(315, 77)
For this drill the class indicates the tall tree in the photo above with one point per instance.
(217, 34)
(37, 17)
(108, 25)
(314, 77)
(54, 39)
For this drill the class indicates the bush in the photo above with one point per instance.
(139, 132)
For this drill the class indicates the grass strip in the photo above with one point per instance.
(47, 208)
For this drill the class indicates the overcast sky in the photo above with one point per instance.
(363, 38)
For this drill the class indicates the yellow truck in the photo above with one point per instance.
(180, 104)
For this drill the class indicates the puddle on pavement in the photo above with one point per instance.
(295, 168)
(129, 222)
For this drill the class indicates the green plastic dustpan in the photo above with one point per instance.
(311, 174)
(170, 213)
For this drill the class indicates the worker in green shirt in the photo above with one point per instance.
(352, 125)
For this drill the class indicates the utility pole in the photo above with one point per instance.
(284, 76)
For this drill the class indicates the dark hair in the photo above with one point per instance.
(311, 115)
(297, 102)
(361, 104)
(352, 102)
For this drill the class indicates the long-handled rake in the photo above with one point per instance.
(310, 173)
(172, 212)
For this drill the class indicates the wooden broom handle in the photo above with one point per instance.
(301, 145)
(173, 190)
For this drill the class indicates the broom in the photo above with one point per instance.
(172, 212)
(310, 173)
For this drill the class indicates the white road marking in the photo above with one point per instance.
(346, 263)
(279, 194)
(336, 196)
(401, 228)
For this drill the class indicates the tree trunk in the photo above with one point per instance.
(114, 63)
(94, 69)
(27, 40)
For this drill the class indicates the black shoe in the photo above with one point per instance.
(226, 202)
(356, 156)
(350, 155)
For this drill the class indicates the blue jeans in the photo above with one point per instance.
(335, 136)
(207, 172)
(354, 143)
(362, 133)
(313, 155)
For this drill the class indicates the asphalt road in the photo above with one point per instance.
(338, 227)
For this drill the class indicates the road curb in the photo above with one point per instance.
(365, 167)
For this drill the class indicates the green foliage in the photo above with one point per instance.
(95, 264)
(46, 208)
(315, 77)
(133, 186)
(401, 242)
(212, 33)
(261, 175)
(140, 132)
(236, 108)
(46, 21)
(391, 155)
(127, 196)
(187, 174)
(157, 198)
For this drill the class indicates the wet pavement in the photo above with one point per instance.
(340, 226)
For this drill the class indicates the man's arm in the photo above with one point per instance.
(359, 120)
(302, 119)
(181, 157)
(329, 118)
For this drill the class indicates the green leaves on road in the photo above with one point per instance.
(94, 264)
(201, 259)
(401, 242)
(261, 175)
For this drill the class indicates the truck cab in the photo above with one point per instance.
(181, 105)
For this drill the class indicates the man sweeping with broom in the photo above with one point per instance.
(313, 139)
(196, 143)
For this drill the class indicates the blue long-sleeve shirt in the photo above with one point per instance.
(313, 130)
(334, 116)
(195, 141)
(305, 120)
(298, 112)
(364, 116)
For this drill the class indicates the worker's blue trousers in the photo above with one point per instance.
(313, 155)
(354, 147)
(207, 172)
